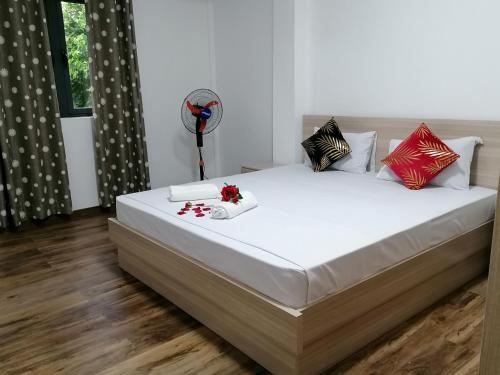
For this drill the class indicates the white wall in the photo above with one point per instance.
(285, 125)
(414, 58)
(78, 142)
(173, 45)
(292, 77)
(244, 78)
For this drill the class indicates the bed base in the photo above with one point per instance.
(303, 341)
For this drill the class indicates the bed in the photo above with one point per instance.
(275, 283)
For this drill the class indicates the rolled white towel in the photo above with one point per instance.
(193, 192)
(228, 210)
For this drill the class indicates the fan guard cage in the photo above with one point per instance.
(201, 97)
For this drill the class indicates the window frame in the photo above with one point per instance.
(57, 38)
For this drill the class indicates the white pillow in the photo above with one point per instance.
(456, 176)
(358, 159)
(362, 156)
(372, 165)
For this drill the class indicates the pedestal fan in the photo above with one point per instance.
(201, 113)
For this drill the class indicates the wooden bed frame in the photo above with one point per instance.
(313, 338)
(490, 360)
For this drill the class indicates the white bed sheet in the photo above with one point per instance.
(313, 234)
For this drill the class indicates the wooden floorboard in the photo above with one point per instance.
(66, 307)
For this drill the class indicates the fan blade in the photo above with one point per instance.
(211, 104)
(194, 110)
(203, 125)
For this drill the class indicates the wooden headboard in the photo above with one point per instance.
(485, 167)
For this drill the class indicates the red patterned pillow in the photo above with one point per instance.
(420, 158)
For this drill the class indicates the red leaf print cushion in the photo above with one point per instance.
(420, 158)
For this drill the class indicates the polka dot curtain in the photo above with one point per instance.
(33, 175)
(120, 143)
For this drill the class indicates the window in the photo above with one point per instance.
(68, 40)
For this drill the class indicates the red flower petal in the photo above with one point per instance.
(200, 215)
(181, 213)
(185, 209)
(200, 204)
(206, 209)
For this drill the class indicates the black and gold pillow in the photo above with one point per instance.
(326, 146)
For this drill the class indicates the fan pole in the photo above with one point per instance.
(199, 143)
(202, 165)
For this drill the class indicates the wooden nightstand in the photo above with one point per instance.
(252, 167)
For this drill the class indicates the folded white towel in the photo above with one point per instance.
(193, 192)
(228, 210)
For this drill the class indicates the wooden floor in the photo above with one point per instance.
(66, 307)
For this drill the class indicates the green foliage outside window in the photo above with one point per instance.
(78, 54)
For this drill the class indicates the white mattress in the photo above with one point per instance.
(313, 233)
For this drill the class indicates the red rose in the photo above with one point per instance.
(230, 193)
